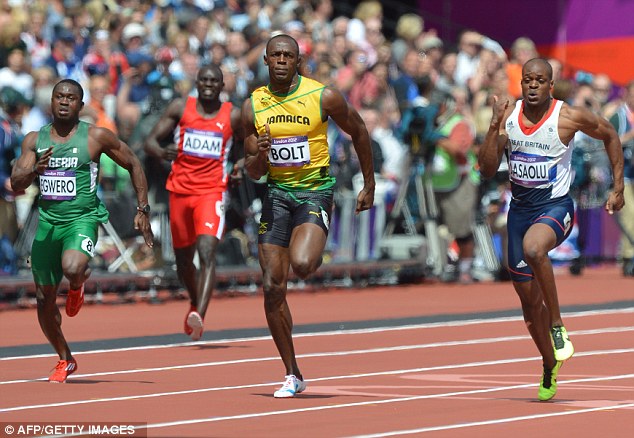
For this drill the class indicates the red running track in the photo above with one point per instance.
(454, 368)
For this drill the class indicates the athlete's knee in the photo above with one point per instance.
(206, 247)
(44, 300)
(305, 266)
(534, 252)
(74, 270)
(274, 298)
(206, 258)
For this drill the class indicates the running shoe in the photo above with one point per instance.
(561, 342)
(548, 384)
(195, 323)
(292, 385)
(63, 369)
(74, 301)
(188, 329)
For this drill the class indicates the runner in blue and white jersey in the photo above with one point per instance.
(536, 136)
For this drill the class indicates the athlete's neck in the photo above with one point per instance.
(63, 129)
(284, 88)
(208, 107)
(535, 113)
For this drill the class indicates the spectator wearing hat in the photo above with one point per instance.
(433, 48)
(132, 36)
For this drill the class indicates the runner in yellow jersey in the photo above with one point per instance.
(285, 126)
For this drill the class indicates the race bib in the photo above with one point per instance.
(529, 170)
(58, 185)
(203, 144)
(289, 152)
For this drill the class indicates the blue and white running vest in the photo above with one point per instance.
(539, 163)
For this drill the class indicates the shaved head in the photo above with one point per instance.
(539, 62)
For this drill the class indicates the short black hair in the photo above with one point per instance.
(213, 67)
(282, 35)
(73, 83)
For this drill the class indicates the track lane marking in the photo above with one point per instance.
(353, 376)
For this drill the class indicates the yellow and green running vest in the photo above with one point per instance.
(68, 187)
(299, 158)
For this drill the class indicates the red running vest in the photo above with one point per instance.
(203, 147)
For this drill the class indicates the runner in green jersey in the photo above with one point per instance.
(64, 155)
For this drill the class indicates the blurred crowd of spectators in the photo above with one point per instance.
(133, 56)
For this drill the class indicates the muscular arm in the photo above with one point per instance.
(348, 119)
(581, 119)
(27, 167)
(163, 128)
(492, 149)
(256, 147)
(124, 157)
(574, 119)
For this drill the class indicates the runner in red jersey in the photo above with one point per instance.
(203, 129)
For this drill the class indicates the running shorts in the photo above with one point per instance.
(51, 241)
(196, 215)
(282, 211)
(558, 214)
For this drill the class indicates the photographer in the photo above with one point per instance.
(455, 181)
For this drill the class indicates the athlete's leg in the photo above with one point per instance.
(208, 222)
(274, 261)
(206, 246)
(536, 318)
(46, 264)
(538, 241)
(306, 249)
(186, 271)
(50, 319)
(75, 268)
(184, 242)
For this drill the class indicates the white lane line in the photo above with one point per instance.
(327, 354)
(495, 421)
(319, 379)
(367, 403)
(457, 323)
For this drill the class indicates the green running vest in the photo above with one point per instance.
(68, 187)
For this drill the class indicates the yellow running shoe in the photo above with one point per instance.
(548, 384)
(561, 343)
